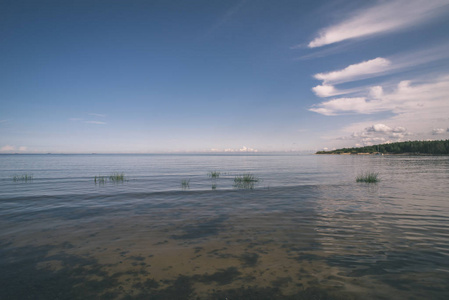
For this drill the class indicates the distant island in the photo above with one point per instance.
(410, 148)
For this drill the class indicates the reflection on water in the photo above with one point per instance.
(320, 241)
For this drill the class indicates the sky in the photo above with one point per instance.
(134, 76)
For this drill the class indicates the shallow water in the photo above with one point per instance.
(306, 231)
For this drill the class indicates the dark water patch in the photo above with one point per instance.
(181, 289)
(148, 284)
(202, 229)
(161, 243)
(274, 293)
(223, 276)
(198, 249)
(281, 281)
(25, 275)
(137, 258)
(249, 259)
(218, 253)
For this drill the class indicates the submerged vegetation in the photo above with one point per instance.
(185, 184)
(23, 177)
(410, 147)
(368, 177)
(214, 174)
(115, 178)
(245, 181)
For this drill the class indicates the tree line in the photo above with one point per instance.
(411, 147)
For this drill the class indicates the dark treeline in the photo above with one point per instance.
(410, 147)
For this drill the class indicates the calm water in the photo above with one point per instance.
(306, 231)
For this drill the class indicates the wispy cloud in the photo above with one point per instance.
(377, 134)
(381, 18)
(344, 106)
(376, 67)
(226, 17)
(329, 91)
(243, 149)
(7, 148)
(437, 131)
(97, 115)
(355, 71)
(95, 122)
(407, 97)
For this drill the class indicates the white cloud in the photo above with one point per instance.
(355, 71)
(344, 106)
(7, 148)
(96, 122)
(387, 16)
(22, 148)
(437, 131)
(243, 149)
(376, 92)
(421, 98)
(329, 91)
(377, 134)
(324, 90)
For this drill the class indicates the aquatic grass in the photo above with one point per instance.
(117, 177)
(368, 177)
(245, 181)
(214, 186)
(23, 177)
(100, 179)
(185, 184)
(213, 174)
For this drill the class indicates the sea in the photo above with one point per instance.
(183, 226)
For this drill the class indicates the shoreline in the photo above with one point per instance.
(384, 154)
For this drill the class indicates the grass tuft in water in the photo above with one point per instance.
(185, 184)
(214, 186)
(368, 177)
(213, 174)
(117, 177)
(245, 181)
(23, 177)
(100, 179)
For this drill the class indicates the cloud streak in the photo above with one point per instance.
(406, 98)
(97, 115)
(355, 71)
(376, 67)
(382, 18)
(95, 122)
(7, 148)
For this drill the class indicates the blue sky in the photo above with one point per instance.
(149, 76)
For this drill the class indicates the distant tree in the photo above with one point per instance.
(411, 147)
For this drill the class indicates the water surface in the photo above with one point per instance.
(306, 231)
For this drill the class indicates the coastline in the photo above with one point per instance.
(382, 154)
